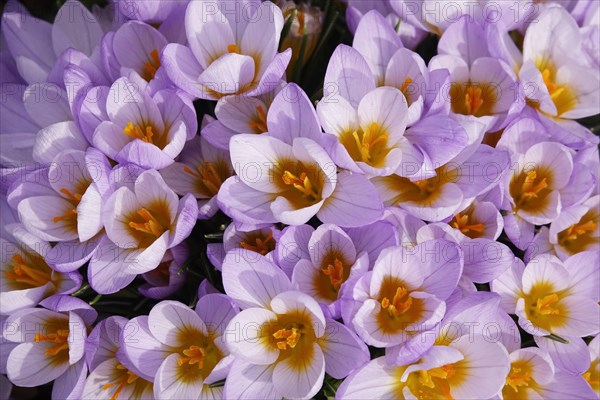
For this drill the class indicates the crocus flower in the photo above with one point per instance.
(558, 82)
(243, 60)
(65, 205)
(278, 182)
(26, 277)
(592, 375)
(50, 345)
(550, 296)
(533, 375)
(148, 131)
(200, 170)
(167, 16)
(402, 299)
(282, 342)
(180, 349)
(453, 186)
(141, 224)
(262, 241)
(170, 275)
(109, 378)
(36, 45)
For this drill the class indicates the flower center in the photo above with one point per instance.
(287, 337)
(578, 237)
(233, 48)
(476, 99)
(71, 214)
(335, 273)
(517, 378)
(432, 383)
(209, 179)
(259, 122)
(400, 303)
(144, 133)
(27, 275)
(151, 66)
(59, 338)
(150, 225)
(301, 183)
(193, 355)
(461, 222)
(262, 245)
(371, 144)
(530, 189)
(125, 379)
(544, 305)
(592, 375)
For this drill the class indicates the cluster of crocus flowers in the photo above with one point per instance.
(254, 199)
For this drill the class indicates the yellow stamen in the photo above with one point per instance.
(400, 304)
(151, 66)
(461, 222)
(136, 132)
(405, 85)
(259, 124)
(76, 197)
(372, 137)
(194, 355)
(290, 337)
(69, 214)
(233, 48)
(517, 379)
(126, 379)
(473, 99)
(335, 273)
(60, 338)
(574, 231)
(543, 305)
(151, 226)
(262, 246)
(23, 273)
(208, 176)
(302, 183)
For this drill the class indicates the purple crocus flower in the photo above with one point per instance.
(50, 345)
(148, 131)
(26, 278)
(282, 342)
(141, 224)
(168, 16)
(244, 59)
(200, 169)
(170, 275)
(109, 378)
(262, 241)
(181, 350)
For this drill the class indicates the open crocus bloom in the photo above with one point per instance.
(557, 79)
(333, 261)
(592, 375)
(141, 224)
(26, 277)
(403, 297)
(576, 229)
(551, 297)
(282, 342)
(243, 58)
(109, 378)
(147, 131)
(201, 169)
(54, 349)
(452, 187)
(181, 350)
(278, 182)
(369, 139)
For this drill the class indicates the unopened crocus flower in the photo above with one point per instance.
(50, 345)
(167, 16)
(533, 375)
(452, 187)
(279, 182)
(36, 44)
(557, 79)
(26, 277)
(282, 342)
(243, 60)
(109, 378)
(402, 299)
(200, 169)
(141, 224)
(148, 131)
(552, 297)
(170, 275)
(261, 241)
(181, 350)
(65, 205)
